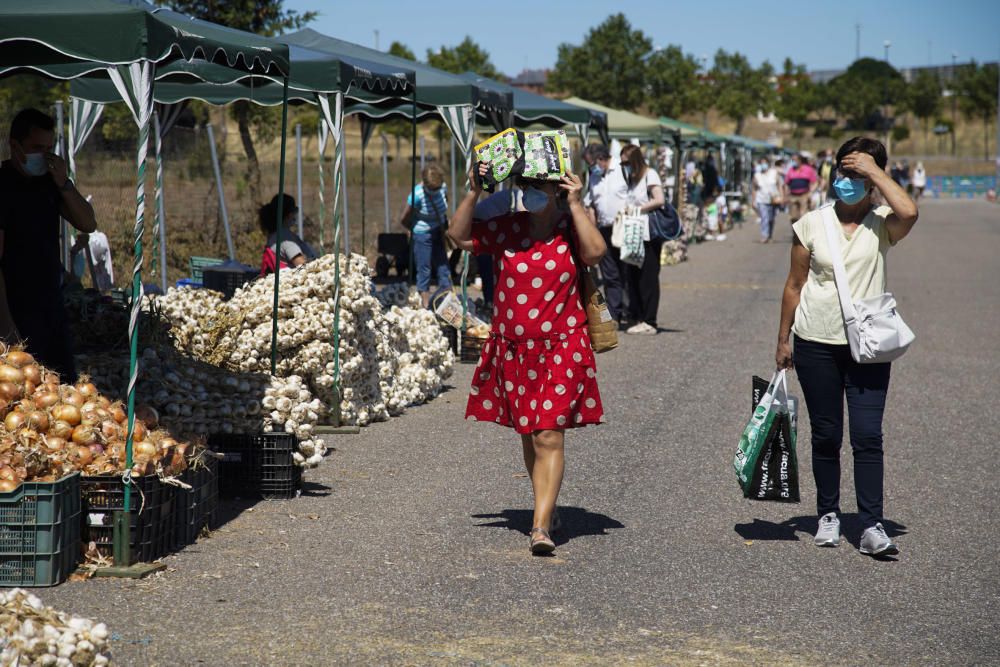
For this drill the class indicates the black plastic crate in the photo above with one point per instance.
(197, 508)
(451, 333)
(40, 532)
(226, 278)
(151, 516)
(258, 465)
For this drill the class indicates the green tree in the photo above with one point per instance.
(29, 90)
(672, 82)
(607, 67)
(977, 97)
(923, 99)
(264, 17)
(738, 88)
(865, 91)
(466, 57)
(401, 50)
(797, 96)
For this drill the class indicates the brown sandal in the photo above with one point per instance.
(541, 543)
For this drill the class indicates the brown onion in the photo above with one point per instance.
(11, 374)
(55, 443)
(96, 449)
(8, 485)
(83, 435)
(19, 358)
(118, 413)
(139, 431)
(73, 397)
(7, 472)
(82, 455)
(38, 420)
(14, 420)
(11, 391)
(148, 415)
(110, 429)
(45, 399)
(61, 429)
(33, 374)
(89, 406)
(143, 449)
(104, 402)
(68, 413)
(87, 389)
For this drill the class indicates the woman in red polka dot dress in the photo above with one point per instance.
(537, 373)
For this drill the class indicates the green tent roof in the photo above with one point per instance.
(623, 124)
(433, 87)
(68, 38)
(312, 72)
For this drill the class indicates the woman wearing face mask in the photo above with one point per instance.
(645, 191)
(537, 373)
(810, 309)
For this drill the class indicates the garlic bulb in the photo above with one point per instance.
(33, 634)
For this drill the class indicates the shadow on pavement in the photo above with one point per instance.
(315, 490)
(788, 530)
(576, 522)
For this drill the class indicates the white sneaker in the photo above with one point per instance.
(828, 534)
(720, 237)
(709, 237)
(642, 329)
(874, 542)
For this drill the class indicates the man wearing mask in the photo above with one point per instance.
(598, 159)
(604, 202)
(35, 192)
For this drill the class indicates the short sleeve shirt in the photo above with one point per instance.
(818, 317)
(639, 195)
(536, 280)
(291, 246)
(800, 179)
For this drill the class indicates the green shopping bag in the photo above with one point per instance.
(771, 413)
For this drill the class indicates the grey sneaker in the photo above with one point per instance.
(828, 534)
(874, 542)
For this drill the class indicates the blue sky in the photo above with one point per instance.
(820, 34)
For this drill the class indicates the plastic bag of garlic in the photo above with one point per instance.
(392, 351)
(33, 634)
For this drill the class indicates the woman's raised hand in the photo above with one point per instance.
(573, 186)
(862, 164)
(476, 174)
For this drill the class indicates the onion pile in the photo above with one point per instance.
(51, 429)
(33, 634)
(390, 357)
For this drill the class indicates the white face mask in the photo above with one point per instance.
(535, 200)
(34, 164)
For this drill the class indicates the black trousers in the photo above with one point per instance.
(45, 328)
(644, 285)
(828, 373)
(613, 276)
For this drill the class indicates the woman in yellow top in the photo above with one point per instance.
(810, 309)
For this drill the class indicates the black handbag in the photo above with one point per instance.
(665, 224)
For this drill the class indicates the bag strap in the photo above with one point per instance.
(430, 202)
(830, 223)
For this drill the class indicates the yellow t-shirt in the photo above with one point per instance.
(818, 317)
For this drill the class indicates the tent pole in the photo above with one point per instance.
(280, 215)
(64, 226)
(454, 197)
(364, 145)
(423, 153)
(222, 196)
(160, 234)
(385, 179)
(298, 173)
(413, 171)
(346, 245)
(321, 145)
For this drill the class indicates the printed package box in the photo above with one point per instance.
(540, 155)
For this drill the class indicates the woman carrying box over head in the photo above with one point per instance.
(537, 373)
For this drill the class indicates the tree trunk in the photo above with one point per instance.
(253, 164)
(739, 125)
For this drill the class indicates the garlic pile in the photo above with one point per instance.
(293, 409)
(33, 634)
(389, 358)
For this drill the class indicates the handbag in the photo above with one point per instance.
(632, 249)
(601, 327)
(665, 224)
(876, 333)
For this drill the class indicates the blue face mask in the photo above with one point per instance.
(535, 200)
(850, 190)
(596, 170)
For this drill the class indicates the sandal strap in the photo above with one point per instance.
(544, 533)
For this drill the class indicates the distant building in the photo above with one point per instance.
(532, 80)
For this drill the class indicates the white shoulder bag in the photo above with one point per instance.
(876, 333)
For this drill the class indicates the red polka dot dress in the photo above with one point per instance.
(537, 369)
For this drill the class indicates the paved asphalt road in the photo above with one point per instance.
(410, 545)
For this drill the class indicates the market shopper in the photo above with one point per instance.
(766, 196)
(919, 181)
(810, 311)
(294, 251)
(426, 217)
(536, 373)
(645, 192)
(35, 192)
(91, 253)
(606, 200)
(802, 181)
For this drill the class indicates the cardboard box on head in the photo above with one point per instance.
(540, 155)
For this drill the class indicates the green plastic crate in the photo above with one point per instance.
(199, 264)
(40, 532)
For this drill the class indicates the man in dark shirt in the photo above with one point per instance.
(35, 192)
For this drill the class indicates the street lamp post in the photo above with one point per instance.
(887, 44)
(954, 112)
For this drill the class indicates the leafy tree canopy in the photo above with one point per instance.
(673, 83)
(740, 90)
(608, 67)
(466, 57)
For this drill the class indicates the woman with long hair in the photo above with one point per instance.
(537, 372)
(645, 191)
